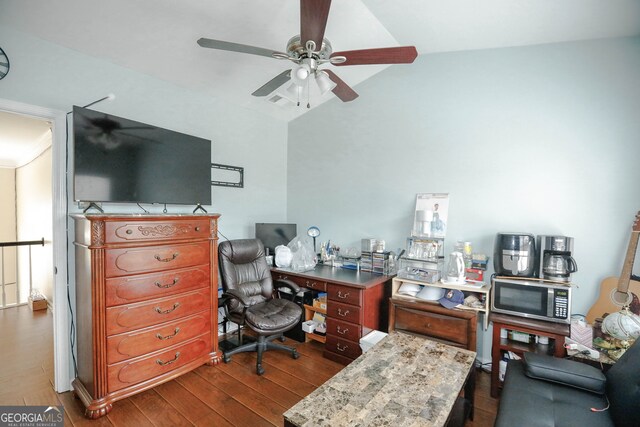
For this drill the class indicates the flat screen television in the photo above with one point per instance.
(273, 234)
(123, 161)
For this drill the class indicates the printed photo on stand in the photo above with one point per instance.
(431, 215)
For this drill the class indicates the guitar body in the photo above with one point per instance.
(609, 302)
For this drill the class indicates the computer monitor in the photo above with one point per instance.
(273, 234)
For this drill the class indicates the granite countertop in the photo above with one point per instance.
(404, 380)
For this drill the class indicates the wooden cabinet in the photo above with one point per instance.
(146, 302)
(555, 332)
(356, 305)
(452, 326)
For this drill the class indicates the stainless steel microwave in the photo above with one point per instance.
(534, 299)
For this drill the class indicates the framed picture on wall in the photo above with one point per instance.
(430, 218)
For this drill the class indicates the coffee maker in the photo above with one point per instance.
(554, 259)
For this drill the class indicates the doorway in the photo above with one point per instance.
(56, 215)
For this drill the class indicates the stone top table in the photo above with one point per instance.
(404, 380)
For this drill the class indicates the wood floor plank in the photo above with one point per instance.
(261, 384)
(46, 397)
(158, 410)
(184, 401)
(233, 411)
(272, 372)
(259, 403)
(125, 413)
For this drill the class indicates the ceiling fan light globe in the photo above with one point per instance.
(325, 84)
(300, 74)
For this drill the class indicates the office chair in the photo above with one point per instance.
(250, 299)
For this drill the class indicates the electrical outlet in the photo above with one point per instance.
(574, 347)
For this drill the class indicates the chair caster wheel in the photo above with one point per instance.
(259, 370)
(226, 359)
(295, 354)
(282, 338)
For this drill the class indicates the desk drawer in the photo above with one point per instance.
(345, 330)
(126, 261)
(449, 328)
(130, 372)
(125, 346)
(343, 347)
(125, 318)
(345, 294)
(146, 231)
(123, 290)
(344, 312)
(304, 282)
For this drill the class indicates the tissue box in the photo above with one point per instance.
(582, 333)
(309, 326)
(37, 304)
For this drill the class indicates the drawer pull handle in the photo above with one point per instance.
(340, 313)
(311, 284)
(168, 337)
(167, 311)
(342, 331)
(342, 349)
(343, 296)
(168, 362)
(167, 259)
(283, 277)
(168, 285)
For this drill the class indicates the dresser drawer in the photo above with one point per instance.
(346, 330)
(130, 372)
(449, 328)
(343, 347)
(126, 261)
(144, 231)
(125, 318)
(123, 290)
(345, 312)
(304, 282)
(344, 294)
(125, 346)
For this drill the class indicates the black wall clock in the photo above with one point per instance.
(4, 64)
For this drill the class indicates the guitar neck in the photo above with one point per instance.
(627, 267)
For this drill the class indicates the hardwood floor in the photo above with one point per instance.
(223, 395)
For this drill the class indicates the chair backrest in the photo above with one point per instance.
(243, 267)
(623, 387)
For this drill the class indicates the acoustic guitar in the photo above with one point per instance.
(616, 292)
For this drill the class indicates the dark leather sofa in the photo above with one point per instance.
(545, 391)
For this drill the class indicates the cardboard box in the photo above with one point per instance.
(39, 304)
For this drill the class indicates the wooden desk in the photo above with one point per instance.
(403, 380)
(356, 305)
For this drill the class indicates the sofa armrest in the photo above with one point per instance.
(565, 372)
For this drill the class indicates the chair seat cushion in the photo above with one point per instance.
(272, 316)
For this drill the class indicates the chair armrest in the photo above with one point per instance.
(235, 294)
(279, 283)
(565, 372)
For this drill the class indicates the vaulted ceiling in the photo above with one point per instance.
(158, 37)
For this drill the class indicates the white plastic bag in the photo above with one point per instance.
(283, 256)
(304, 257)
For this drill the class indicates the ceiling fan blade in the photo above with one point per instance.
(385, 55)
(237, 47)
(342, 90)
(273, 84)
(313, 20)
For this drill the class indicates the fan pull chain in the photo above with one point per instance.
(308, 90)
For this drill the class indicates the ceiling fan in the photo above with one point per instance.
(309, 50)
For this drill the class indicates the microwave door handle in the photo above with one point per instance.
(550, 294)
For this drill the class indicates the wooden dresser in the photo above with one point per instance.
(146, 302)
(356, 305)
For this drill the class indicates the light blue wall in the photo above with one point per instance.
(542, 139)
(51, 76)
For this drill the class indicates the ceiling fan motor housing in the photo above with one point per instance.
(298, 50)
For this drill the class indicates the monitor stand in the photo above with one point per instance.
(199, 207)
(92, 205)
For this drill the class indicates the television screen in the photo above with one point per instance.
(120, 160)
(273, 235)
